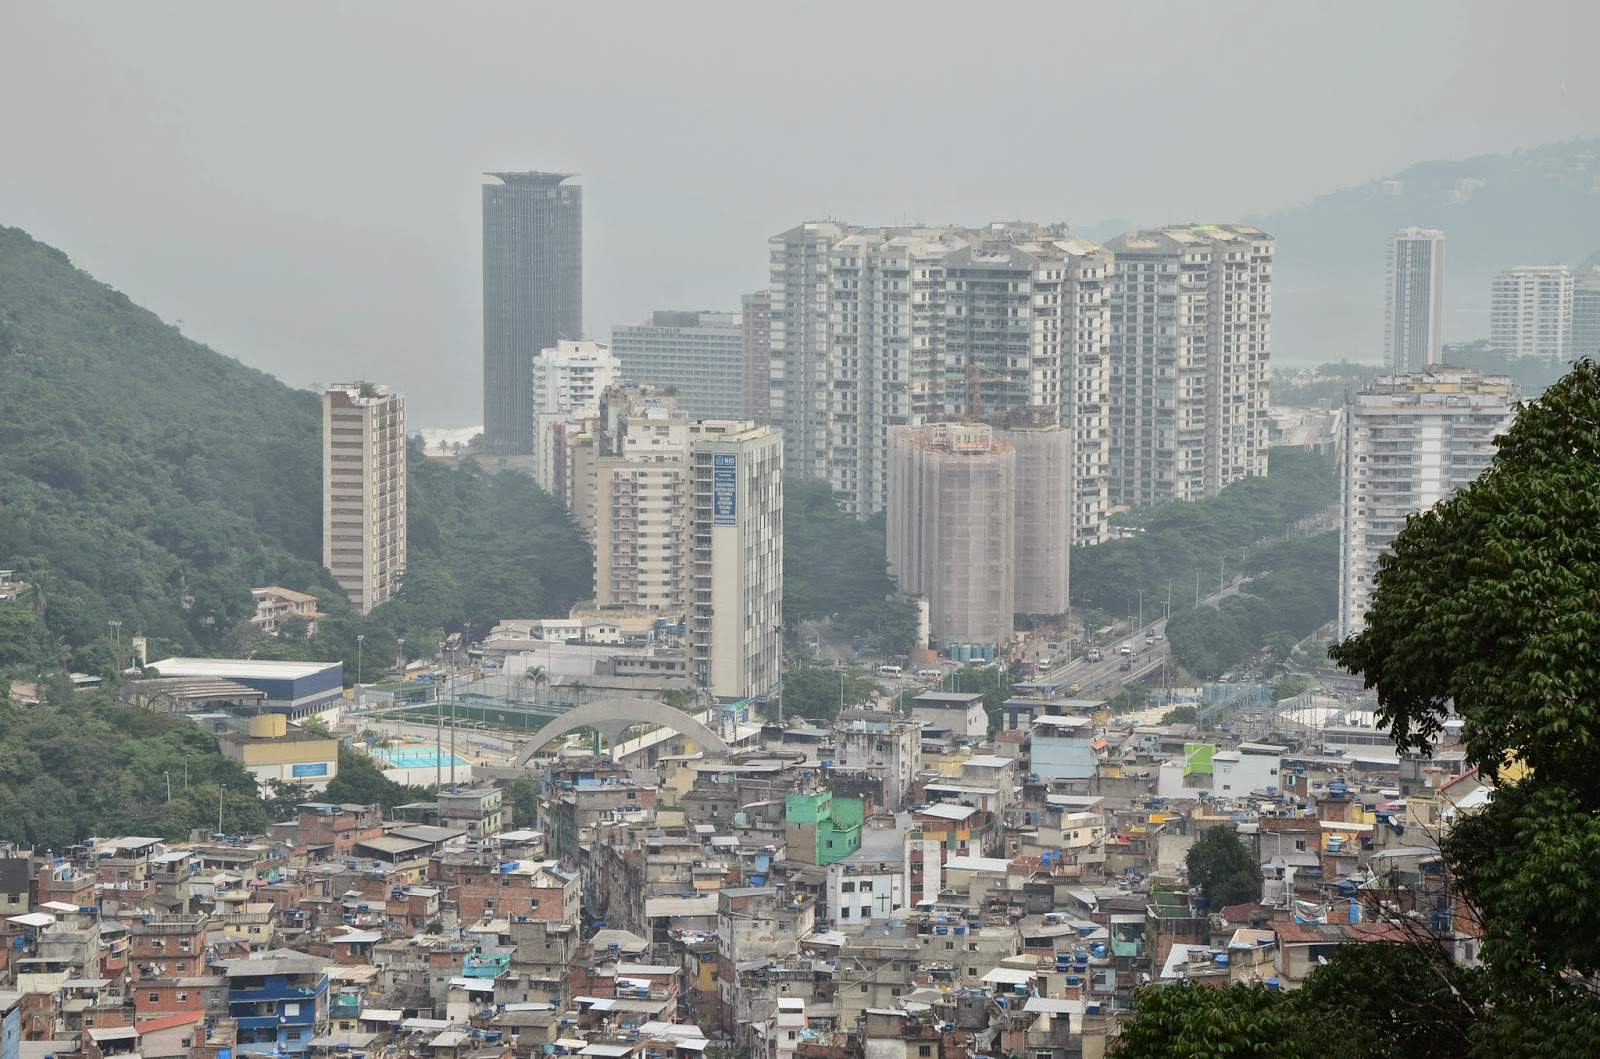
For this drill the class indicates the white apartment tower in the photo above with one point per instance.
(1530, 312)
(798, 327)
(568, 380)
(364, 490)
(1414, 313)
(1026, 336)
(1586, 313)
(886, 317)
(736, 558)
(1410, 441)
(1191, 335)
(878, 328)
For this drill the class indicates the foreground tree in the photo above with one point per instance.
(1490, 605)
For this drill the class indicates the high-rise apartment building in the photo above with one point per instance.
(951, 528)
(800, 260)
(735, 545)
(1191, 335)
(1414, 313)
(1586, 314)
(1410, 441)
(568, 380)
(885, 294)
(698, 356)
(878, 328)
(756, 320)
(1027, 329)
(641, 512)
(1530, 311)
(688, 520)
(532, 293)
(364, 490)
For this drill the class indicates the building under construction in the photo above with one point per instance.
(1043, 516)
(952, 540)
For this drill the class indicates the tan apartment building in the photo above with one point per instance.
(736, 558)
(364, 490)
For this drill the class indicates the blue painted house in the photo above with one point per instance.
(280, 1002)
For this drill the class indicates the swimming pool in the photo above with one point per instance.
(416, 757)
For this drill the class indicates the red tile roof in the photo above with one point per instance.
(167, 1022)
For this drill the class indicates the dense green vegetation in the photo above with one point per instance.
(83, 765)
(1372, 1001)
(1486, 609)
(836, 567)
(1293, 591)
(151, 481)
(817, 692)
(1225, 871)
(1206, 538)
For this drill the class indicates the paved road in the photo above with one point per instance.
(1149, 647)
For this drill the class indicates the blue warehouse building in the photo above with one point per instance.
(298, 689)
(279, 1002)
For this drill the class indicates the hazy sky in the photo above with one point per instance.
(299, 183)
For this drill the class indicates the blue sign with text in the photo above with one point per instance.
(724, 488)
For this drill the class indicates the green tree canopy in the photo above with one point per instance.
(1223, 868)
(814, 692)
(1489, 605)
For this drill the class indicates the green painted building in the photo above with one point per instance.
(820, 829)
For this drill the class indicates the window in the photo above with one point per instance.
(863, 987)
(155, 998)
(183, 995)
(924, 1050)
(291, 1009)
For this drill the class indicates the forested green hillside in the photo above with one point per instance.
(147, 479)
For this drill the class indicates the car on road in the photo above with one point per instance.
(1075, 688)
(1126, 666)
(1046, 662)
(1094, 654)
(1149, 640)
(1124, 650)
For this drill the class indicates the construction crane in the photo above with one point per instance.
(977, 375)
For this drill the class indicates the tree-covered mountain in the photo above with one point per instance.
(1534, 207)
(147, 479)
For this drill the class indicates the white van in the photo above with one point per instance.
(931, 674)
(889, 671)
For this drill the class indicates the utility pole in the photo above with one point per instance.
(361, 639)
(1197, 586)
(1141, 606)
(1221, 574)
(438, 731)
(168, 775)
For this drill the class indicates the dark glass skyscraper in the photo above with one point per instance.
(532, 293)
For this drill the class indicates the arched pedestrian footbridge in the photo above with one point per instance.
(612, 717)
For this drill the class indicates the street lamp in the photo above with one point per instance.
(360, 640)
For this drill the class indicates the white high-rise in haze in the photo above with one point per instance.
(878, 328)
(1414, 312)
(568, 379)
(1191, 336)
(1530, 311)
(364, 490)
(1410, 441)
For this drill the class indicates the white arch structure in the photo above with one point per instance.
(612, 717)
